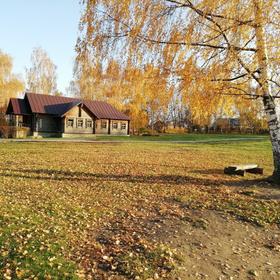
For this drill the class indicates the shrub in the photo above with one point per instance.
(5, 131)
(19, 132)
(176, 130)
(13, 131)
(148, 132)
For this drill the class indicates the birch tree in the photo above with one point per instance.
(232, 43)
(10, 84)
(131, 89)
(41, 76)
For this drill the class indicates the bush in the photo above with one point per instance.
(142, 130)
(5, 131)
(148, 132)
(4, 128)
(176, 130)
(19, 132)
(13, 131)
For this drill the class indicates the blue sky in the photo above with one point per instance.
(50, 24)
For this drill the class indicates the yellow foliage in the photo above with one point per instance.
(134, 91)
(210, 51)
(10, 84)
(41, 76)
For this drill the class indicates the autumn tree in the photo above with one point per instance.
(10, 84)
(41, 76)
(131, 89)
(251, 114)
(234, 43)
(149, 95)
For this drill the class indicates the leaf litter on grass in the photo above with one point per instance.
(71, 211)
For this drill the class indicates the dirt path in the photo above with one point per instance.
(207, 245)
(217, 246)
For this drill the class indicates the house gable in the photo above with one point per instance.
(18, 106)
(79, 111)
(78, 120)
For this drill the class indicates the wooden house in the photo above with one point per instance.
(47, 115)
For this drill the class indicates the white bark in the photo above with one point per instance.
(274, 129)
(268, 100)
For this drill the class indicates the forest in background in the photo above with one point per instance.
(146, 94)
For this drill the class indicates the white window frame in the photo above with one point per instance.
(80, 121)
(115, 125)
(123, 126)
(89, 121)
(67, 122)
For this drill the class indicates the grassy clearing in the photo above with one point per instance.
(168, 137)
(181, 137)
(69, 210)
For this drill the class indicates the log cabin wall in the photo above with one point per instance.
(119, 127)
(102, 126)
(77, 121)
(111, 127)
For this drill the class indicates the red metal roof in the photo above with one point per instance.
(103, 110)
(58, 105)
(49, 104)
(18, 107)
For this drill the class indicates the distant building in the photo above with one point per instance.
(226, 124)
(47, 115)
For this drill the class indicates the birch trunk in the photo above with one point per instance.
(268, 99)
(274, 129)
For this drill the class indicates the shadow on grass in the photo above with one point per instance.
(61, 175)
(209, 171)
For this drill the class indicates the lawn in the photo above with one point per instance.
(92, 210)
(179, 137)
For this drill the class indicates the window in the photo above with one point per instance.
(88, 123)
(103, 124)
(70, 122)
(115, 125)
(80, 123)
(40, 123)
(123, 126)
(80, 111)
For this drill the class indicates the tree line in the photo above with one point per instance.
(190, 63)
(147, 94)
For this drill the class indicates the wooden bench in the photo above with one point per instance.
(241, 169)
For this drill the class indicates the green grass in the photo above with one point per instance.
(73, 209)
(181, 137)
(168, 137)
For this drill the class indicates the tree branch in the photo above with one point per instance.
(230, 79)
(189, 4)
(233, 78)
(274, 82)
(196, 44)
